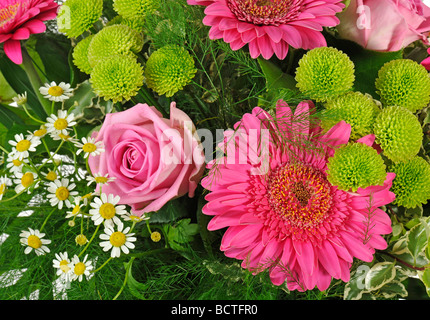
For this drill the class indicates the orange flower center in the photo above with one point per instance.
(8, 14)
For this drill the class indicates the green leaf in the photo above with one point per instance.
(8, 117)
(180, 233)
(425, 278)
(417, 240)
(6, 91)
(379, 275)
(275, 78)
(393, 289)
(173, 210)
(134, 286)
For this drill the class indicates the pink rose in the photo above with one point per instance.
(152, 158)
(385, 25)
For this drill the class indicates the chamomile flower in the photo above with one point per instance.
(39, 133)
(90, 147)
(63, 264)
(81, 240)
(105, 210)
(60, 192)
(23, 145)
(87, 197)
(117, 241)
(64, 137)
(15, 165)
(20, 99)
(80, 268)
(60, 123)
(50, 175)
(134, 218)
(76, 208)
(33, 240)
(57, 93)
(4, 183)
(99, 179)
(24, 181)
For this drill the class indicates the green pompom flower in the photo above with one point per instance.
(355, 108)
(117, 78)
(80, 55)
(114, 40)
(404, 83)
(169, 69)
(135, 23)
(135, 8)
(78, 16)
(325, 73)
(411, 184)
(398, 132)
(354, 166)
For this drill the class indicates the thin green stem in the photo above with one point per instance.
(4, 150)
(46, 219)
(30, 116)
(101, 267)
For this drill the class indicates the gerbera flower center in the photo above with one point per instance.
(265, 12)
(27, 179)
(64, 266)
(117, 239)
(55, 91)
(89, 147)
(34, 242)
(300, 194)
(23, 145)
(60, 124)
(79, 268)
(8, 14)
(62, 193)
(107, 210)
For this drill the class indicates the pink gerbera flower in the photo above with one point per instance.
(21, 18)
(288, 218)
(270, 26)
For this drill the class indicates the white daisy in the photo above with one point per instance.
(105, 210)
(15, 165)
(24, 181)
(118, 241)
(76, 208)
(134, 218)
(100, 179)
(4, 183)
(90, 147)
(80, 268)
(33, 240)
(39, 133)
(57, 93)
(65, 137)
(23, 145)
(63, 264)
(20, 98)
(61, 191)
(60, 123)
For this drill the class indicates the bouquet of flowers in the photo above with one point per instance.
(214, 149)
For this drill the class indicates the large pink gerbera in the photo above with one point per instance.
(270, 26)
(287, 217)
(21, 18)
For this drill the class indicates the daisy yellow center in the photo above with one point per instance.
(107, 210)
(40, 132)
(89, 147)
(34, 242)
(101, 180)
(51, 176)
(55, 91)
(27, 179)
(62, 193)
(76, 209)
(64, 136)
(117, 239)
(60, 124)
(64, 266)
(155, 236)
(265, 12)
(8, 14)
(17, 163)
(2, 188)
(23, 145)
(81, 239)
(80, 268)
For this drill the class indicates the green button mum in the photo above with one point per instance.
(398, 132)
(80, 55)
(405, 83)
(169, 69)
(135, 8)
(117, 78)
(78, 16)
(325, 73)
(412, 184)
(354, 166)
(355, 108)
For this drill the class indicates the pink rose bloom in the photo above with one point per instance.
(21, 18)
(385, 25)
(153, 159)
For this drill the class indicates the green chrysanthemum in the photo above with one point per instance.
(398, 132)
(134, 23)
(325, 73)
(135, 8)
(411, 184)
(117, 78)
(78, 16)
(80, 55)
(355, 108)
(354, 166)
(169, 69)
(114, 40)
(404, 83)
